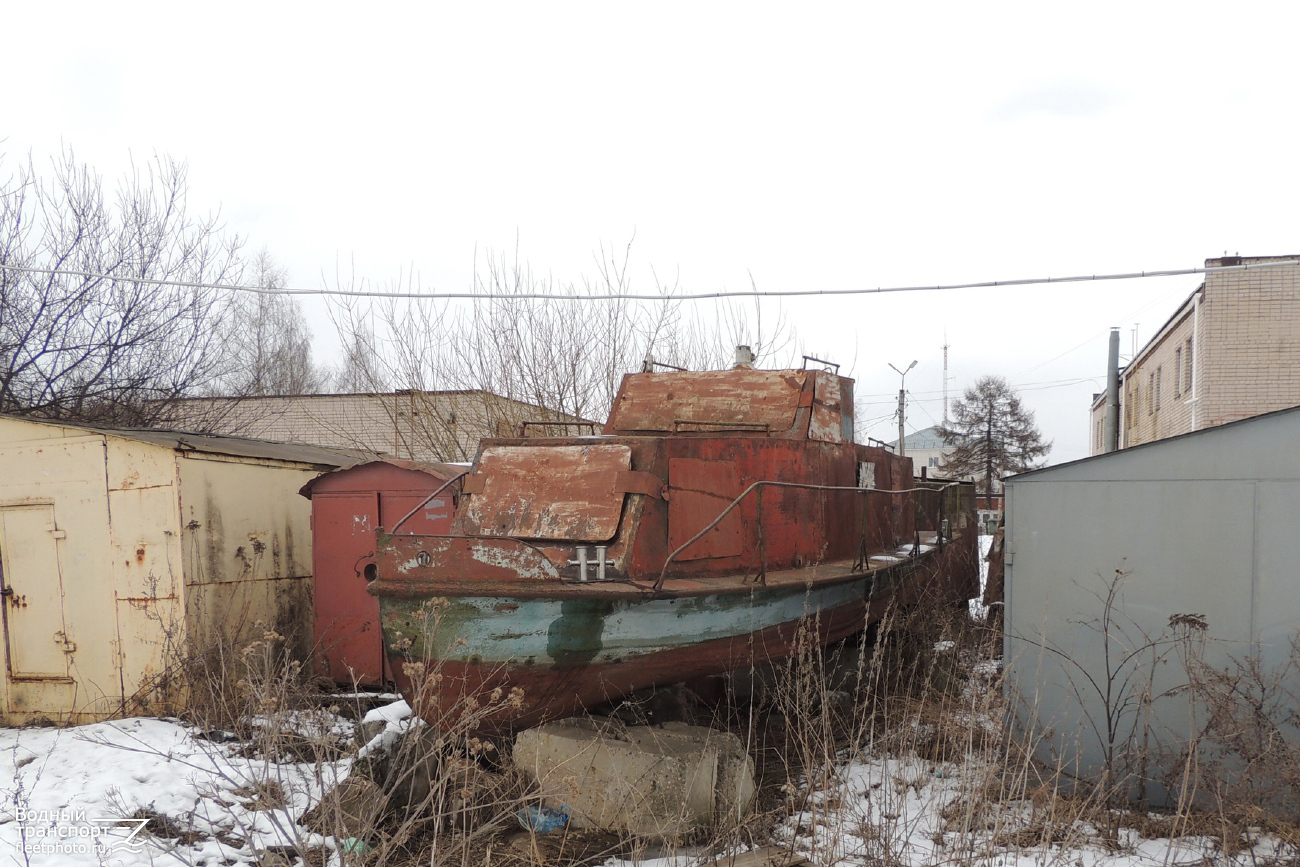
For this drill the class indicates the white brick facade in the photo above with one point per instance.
(1231, 351)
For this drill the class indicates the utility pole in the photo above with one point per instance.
(902, 406)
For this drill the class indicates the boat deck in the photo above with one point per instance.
(826, 573)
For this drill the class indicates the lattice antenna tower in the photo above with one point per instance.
(945, 377)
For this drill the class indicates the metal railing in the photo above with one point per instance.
(426, 500)
(758, 487)
(523, 426)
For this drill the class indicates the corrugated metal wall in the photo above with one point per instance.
(108, 543)
(1202, 524)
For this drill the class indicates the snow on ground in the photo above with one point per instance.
(879, 811)
(913, 812)
(902, 811)
(63, 793)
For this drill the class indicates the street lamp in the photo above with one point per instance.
(902, 405)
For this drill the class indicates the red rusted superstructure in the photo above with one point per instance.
(348, 506)
(717, 510)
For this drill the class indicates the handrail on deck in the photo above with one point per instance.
(663, 573)
(426, 500)
(523, 426)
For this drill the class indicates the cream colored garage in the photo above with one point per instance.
(120, 551)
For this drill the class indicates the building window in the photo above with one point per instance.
(1151, 391)
(933, 461)
(1178, 372)
(1187, 360)
(1157, 391)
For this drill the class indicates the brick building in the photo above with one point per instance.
(1230, 351)
(416, 425)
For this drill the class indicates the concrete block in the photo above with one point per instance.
(651, 781)
(734, 788)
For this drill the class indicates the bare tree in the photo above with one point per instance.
(362, 369)
(270, 341)
(993, 434)
(113, 349)
(511, 358)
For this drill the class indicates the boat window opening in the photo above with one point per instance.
(866, 474)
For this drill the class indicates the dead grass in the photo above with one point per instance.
(920, 689)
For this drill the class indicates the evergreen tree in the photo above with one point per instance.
(993, 434)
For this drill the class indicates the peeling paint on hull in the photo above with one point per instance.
(573, 653)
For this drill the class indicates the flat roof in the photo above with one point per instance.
(1213, 429)
(217, 444)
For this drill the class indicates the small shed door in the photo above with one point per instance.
(348, 636)
(35, 636)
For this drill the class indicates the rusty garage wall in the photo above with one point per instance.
(144, 576)
(38, 566)
(85, 615)
(106, 584)
(247, 540)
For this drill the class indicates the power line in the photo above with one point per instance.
(615, 296)
(912, 395)
(1104, 332)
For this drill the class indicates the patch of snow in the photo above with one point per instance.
(978, 610)
(55, 782)
(389, 713)
(397, 721)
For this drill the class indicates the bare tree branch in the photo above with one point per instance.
(113, 350)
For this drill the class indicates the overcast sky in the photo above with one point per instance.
(809, 145)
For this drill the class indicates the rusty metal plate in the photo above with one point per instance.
(721, 400)
(547, 492)
(640, 482)
(699, 491)
(458, 562)
(832, 414)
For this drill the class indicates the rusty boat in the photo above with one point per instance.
(718, 514)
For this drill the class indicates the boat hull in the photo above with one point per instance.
(568, 654)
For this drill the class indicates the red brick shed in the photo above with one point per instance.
(347, 506)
